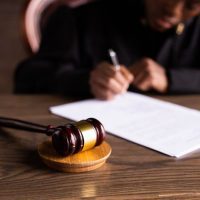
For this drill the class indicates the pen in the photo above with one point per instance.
(114, 59)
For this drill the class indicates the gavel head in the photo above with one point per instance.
(80, 136)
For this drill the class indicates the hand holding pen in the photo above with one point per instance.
(109, 80)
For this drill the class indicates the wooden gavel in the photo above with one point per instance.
(67, 139)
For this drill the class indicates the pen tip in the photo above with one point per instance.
(111, 52)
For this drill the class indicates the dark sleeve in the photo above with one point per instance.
(56, 66)
(184, 81)
(184, 76)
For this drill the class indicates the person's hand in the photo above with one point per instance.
(106, 82)
(149, 75)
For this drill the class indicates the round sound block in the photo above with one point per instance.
(79, 162)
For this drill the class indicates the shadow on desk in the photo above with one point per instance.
(21, 149)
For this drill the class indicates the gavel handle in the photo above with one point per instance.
(22, 125)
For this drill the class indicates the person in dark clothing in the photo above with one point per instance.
(157, 42)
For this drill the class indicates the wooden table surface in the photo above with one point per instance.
(131, 172)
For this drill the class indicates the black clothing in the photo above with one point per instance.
(74, 41)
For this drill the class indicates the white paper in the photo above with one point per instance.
(165, 127)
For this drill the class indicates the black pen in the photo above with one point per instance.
(114, 59)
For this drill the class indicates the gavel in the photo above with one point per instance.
(66, 139)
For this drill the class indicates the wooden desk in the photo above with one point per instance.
(132, 171)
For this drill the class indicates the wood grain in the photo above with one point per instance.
(80, 162)
(131, 172)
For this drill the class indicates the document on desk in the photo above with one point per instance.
(165, 127)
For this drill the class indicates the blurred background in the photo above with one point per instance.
(12, 49)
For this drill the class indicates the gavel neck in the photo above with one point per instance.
(50, 130)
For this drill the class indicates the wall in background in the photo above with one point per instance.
(12, 49)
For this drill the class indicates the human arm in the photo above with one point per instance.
(56, 67)
(149, 75)
(42, 76)
(184, 81)
(106, 82)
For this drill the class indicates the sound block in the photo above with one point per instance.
(79, 162)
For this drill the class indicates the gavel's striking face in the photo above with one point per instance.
(79, 136)
(164, 14)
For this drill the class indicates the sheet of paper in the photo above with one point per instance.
(165, 127)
